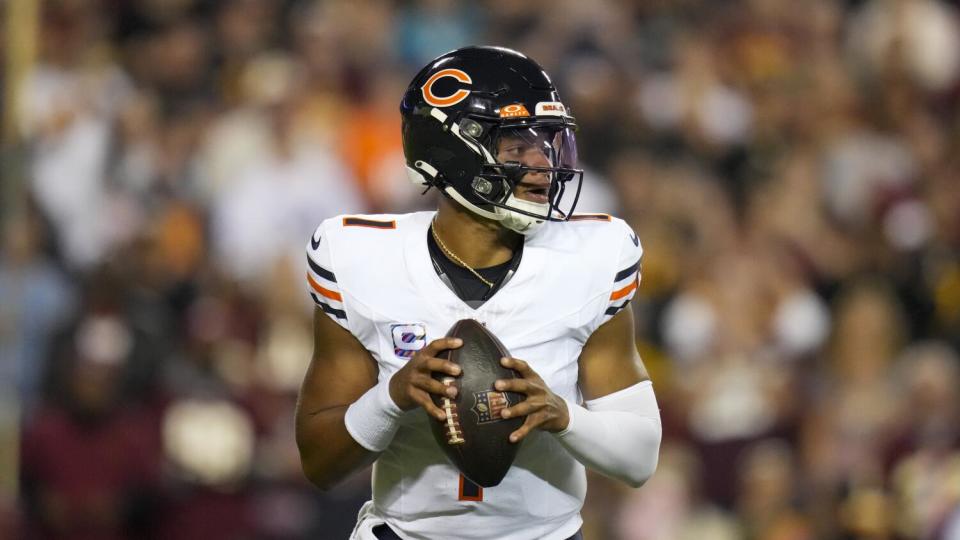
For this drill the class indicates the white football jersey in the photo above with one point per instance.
(373, 275)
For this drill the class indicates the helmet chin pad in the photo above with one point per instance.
(522, 223)
(510, 219)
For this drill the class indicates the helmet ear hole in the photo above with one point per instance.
(490, 188)
(471, 128)
(482, 186)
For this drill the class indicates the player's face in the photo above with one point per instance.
(531, 148)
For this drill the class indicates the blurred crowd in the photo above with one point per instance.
(793, 169)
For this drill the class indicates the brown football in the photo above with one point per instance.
(474, 436)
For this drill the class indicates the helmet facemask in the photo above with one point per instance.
(527, 182)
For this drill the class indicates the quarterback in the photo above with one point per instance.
(486, 127)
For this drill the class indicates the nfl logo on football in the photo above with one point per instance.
(488, 405)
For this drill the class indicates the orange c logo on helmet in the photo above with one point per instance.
(452, 99)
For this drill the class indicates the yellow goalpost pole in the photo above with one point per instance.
(20, 30)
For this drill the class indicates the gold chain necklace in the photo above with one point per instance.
(446, 251)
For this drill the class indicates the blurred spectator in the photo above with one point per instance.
(854, 421)
(768, 494)
(209, 444)
(70, 101)
(692, 98)
(278, 197)
(926, 477)
(669, 507)
(919, 37)
(370, 141)
(37, 300)
(429, 28)
(90, 464)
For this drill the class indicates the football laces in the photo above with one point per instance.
(452, 421)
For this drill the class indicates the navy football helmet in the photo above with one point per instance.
(480, 121)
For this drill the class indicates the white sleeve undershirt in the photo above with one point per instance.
(617, 435)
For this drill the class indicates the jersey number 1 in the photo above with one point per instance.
(469, 491)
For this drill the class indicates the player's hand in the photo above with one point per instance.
(543, 409)
(413, 384)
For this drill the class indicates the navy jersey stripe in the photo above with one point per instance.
(338, 313)
(625, 273)
(360, 222)
(613, 310)
(321, 271)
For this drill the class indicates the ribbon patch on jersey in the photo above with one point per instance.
(489, 405)
(408, 339)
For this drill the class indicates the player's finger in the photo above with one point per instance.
(529, 425)
(522, 386)
(433, 386)
(441, 365)
(424, 401)
(441, 344)
(519, 366)
(524, 408)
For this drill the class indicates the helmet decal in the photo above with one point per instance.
(551, 108)
(452, 99)
(514, 111)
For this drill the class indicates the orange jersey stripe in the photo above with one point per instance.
(616, 295)
(590, 217)
(333, 295)
(372, 223)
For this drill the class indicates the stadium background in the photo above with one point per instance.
(791, 167)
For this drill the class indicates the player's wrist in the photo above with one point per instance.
(573, 410)
(386, 400)
(395, 393)
(373, 419)
(565, 419)
(561, 421)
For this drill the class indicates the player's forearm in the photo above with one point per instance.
(334, 442)
(617, 435)
(328, 454)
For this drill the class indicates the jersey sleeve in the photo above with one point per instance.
(627, 278)
(321, 281)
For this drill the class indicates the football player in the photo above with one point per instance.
(486, 127)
